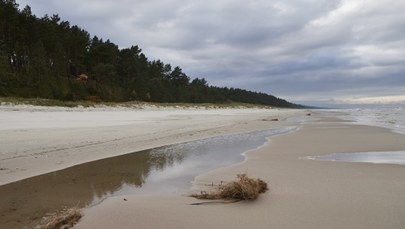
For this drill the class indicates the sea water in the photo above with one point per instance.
(384, 157)
(392, 118)
(388, 117)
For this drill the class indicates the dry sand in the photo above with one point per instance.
(36, 140)
(303, 193)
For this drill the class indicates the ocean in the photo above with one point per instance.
(388, 117)
(392, 118)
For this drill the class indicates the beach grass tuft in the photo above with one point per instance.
(244, 188)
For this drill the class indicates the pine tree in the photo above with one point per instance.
(38, 64)
(42, 57)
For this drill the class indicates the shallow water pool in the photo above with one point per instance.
(169, 169)
(386, 157)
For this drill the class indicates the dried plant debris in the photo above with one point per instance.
(62, 220)
(244, 188)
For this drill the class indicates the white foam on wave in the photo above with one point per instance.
(392, 118)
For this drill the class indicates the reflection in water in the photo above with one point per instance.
(167, 169)
(391, 157)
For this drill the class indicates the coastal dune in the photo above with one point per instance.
(303, 193)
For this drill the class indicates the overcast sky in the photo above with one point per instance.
(305, 51)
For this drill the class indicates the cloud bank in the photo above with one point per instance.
(312, 51)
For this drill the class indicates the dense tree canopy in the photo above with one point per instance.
(47, 57)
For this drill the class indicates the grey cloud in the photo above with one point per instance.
(301, 50)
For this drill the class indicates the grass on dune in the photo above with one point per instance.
(135, 104)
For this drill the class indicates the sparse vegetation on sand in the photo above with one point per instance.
(244, 188)
(129, 104)
(64, 219)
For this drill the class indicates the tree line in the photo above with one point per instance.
(48, 58)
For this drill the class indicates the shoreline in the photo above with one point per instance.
(29, 151)
(303, 193)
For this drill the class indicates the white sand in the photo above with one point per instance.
(303, 193)
(36, 140)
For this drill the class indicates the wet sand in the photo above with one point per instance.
(303, 193)
(39, 140)
(164, 170)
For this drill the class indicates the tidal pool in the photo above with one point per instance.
(386, 157)
(169, 169)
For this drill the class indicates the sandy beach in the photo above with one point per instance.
(303, 193)
(37, 140)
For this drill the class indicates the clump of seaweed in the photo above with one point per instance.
(244, 188)
(63, 219)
